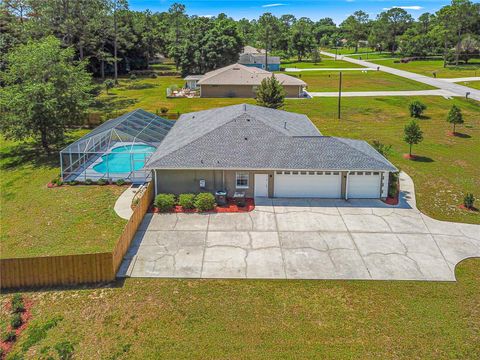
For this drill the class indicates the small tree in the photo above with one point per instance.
(468, 201)
(109, 84)
(455, 116)
(316, 56)
(416, 108)
(271, 93)
(383, 149)
(412, 134)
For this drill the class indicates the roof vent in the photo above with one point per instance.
(246, 138)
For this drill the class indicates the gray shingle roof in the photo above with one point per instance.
(252, 137)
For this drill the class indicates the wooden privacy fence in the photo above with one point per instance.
(74, 269)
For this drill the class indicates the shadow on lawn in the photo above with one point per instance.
(115, 284)
(424, 159)
(26, 153)
(462, 135)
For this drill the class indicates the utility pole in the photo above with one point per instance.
(339, 94)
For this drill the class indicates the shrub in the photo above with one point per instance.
(468, 201)
(72, 182)
(17, 303)
(9, 336)
(204, 202)
(416, 108)
(393, 185)
(164, 202)
(109, 84)
(153, 76)
(187, 201)
(120, 182)
(101, 182)
(89, 182)
(383, 149)
(163, 110)
(16, 321)
(133, 77)
(59, 182)
(54, 181)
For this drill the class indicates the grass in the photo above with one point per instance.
(357, 81)
(472, 84)
(326, 63)
(38, 221)
(428, 67)
(238, 319)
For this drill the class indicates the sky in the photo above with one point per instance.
(338, 10)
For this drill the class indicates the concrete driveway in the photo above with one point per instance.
(304, 239)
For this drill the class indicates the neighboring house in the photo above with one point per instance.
(256, 58)
(265, 153)
(242, 81)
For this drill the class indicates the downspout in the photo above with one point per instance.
(155, 176)
(346, 186)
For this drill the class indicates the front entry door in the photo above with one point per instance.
(261, 185)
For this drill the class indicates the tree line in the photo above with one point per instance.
(114, 39)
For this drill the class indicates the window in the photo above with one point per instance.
(242, 180)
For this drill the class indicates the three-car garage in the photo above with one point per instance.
(328, 184)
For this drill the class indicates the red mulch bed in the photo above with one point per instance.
(231, 207)
(409, 157)
(26, 316)
(463, 207)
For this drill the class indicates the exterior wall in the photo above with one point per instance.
(188, 181)
(241, 91)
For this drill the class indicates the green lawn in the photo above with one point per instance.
(248, 319)
(428, 67)
(472, 84)
(37, 221)
(326, 63)
(357, 81)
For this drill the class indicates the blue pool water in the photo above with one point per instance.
(119, 159)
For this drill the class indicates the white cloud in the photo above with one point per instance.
(206, 16)
(350, 0)
(413, 7)
(273, 5)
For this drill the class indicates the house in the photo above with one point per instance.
(265, 153)
(256, 58)
(242, 81)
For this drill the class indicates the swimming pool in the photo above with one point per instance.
(119, 160)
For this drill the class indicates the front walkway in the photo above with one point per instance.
(304, 239)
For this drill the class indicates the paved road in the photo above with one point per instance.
(304, 239)
(459, 90)
(454, 80)
(445, 93)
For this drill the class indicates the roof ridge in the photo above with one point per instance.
(243, 112)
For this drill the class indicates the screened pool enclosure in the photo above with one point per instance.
(117, 149)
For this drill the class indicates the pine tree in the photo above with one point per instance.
(412, 134)
(271, 93)
(455, 116)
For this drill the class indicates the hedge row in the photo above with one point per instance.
(201, 202)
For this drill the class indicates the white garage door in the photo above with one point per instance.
(363, 185)
(307, 184)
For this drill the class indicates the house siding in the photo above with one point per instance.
(241, 91)
(188, 181)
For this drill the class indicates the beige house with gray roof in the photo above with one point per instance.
(242, 82)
